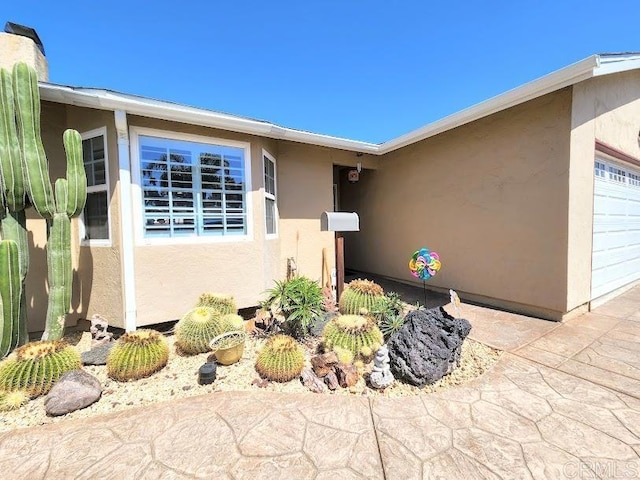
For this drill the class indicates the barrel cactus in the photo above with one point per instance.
(359, 295)
(281, 359)
(231, 322)
(13, 400)
(36, 366)
(220, 302)
(358, 334)
(196, 328)
(137, 355)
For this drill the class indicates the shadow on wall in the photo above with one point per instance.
(37, 287)
(82, 285)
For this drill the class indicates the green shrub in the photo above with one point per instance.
(299, 300)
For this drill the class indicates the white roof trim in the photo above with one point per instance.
(595, 65)
(133, 105)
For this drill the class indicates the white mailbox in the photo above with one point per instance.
(339, 222)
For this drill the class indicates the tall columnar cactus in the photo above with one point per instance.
(361, 294)
(10, 287)
(13, 200)
(25, 172)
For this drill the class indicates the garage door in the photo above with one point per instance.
(616, 227)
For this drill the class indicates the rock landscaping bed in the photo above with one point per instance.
(179, 380)
(300, 341)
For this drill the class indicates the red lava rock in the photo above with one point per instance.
(347, 374)
(310, 380)
(324, 363)
(260, 382)
(331, 380)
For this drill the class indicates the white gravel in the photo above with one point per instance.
(179, 380)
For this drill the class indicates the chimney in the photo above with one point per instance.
(22, 44)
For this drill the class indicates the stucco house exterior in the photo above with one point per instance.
(531, 198)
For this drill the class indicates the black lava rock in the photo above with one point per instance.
(427, 346)
(97, 355)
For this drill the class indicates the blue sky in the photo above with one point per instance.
(366, 70)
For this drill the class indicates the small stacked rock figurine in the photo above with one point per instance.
(381, 376)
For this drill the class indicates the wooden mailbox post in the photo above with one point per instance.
(339, 222)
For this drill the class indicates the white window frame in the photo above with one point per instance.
(270, 196)
(97, 132)
(136, 189)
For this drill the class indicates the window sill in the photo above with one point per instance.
(150, 242)
(96, 243)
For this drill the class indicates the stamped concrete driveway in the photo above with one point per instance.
(562, 402)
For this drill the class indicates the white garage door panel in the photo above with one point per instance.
(602, 225)
(616, 227)
(613, 240)
(604, 258)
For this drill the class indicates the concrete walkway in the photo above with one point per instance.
(563, 402)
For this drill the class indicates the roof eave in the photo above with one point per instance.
(570, 75)
(103, 100)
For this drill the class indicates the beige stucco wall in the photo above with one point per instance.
(305, 190)
(16, 48)
(490, 197)
(96, 270)
(99, 281)
(169, 278)
(606, 109)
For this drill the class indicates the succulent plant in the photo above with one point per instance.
(25, 175)
(13, 400)
(231, 322)
(299, 301)
(196, 329)
(344, 355)
(390, 324)
(355, 333)
(137, 355)
(359, 295)
(281, 359)
(36, 366)
(220, 302)
(10, 294)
